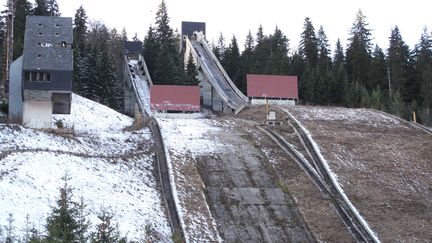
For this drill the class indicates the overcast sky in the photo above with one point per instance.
(239, 16)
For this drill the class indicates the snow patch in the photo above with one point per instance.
(108, 166)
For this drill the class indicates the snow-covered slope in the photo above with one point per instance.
(109, 168)
(185, 140)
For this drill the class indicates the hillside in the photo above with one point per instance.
(383, 165)
(109, 167)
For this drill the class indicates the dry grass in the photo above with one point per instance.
(384, 167)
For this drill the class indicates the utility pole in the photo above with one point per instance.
(8, 50)
(389, 82)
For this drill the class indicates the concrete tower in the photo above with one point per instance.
(47, 65)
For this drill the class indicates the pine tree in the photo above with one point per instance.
(62, 224)
(220, 49)
(308, 49)
(232, 63)
(358, 54)
(309, 44)
(150, 50)
(423, 62)
(10, 229)
(106, 230)
(397, 105)
(41, 8)
(22, 9)
(376, 99)
(339, 74)
(426, 88)
(83, 222)
(191, 72)
(378, 70)
(323, 87)
(79, 49)
(167, 65)
(109, 89)
(260, 35)
(307, 84)
(278, 61)
(53, 8)
(401, 71)
(261, 52)
(246, 60)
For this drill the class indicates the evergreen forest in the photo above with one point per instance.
(397, 80)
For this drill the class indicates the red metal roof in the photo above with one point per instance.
(175, 98)
(272, 86)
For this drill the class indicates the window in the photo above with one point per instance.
(57, 34)
(58, 25)
(37, 76)
(47, 77)
(39, 44)
(40, 33)
(27, 76)
(32, 77)
(39, 56)
(40, 24)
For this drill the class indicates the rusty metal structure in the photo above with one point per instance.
(9, 15)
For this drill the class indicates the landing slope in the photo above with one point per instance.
(383, 164)
(109, 168)
(226, 183)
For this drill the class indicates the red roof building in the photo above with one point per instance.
(272, 86)
(175, 98)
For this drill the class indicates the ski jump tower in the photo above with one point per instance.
(217, 89)
(41, 79)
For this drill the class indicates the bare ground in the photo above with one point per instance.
(383, 165)
(316, 209)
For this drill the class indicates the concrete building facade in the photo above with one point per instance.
(45, 75)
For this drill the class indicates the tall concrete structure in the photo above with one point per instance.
(132, 53)
(46, 72)
(218, 91)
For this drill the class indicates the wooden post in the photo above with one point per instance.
(267, 106)
(414, 117)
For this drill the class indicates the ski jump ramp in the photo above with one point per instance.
(217, 89)
(137, 84)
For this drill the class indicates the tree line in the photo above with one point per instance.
(398, 80)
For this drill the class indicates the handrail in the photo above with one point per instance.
(132, 80)
(205, 69)
(227, 78)
(211, 67)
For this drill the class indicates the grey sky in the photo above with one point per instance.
(237, 17)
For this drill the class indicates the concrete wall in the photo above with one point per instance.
(15, 94)
(178, 115)
(272, 102)
(206, 90)
(37, 114)
(218, 103)
(129, 101)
